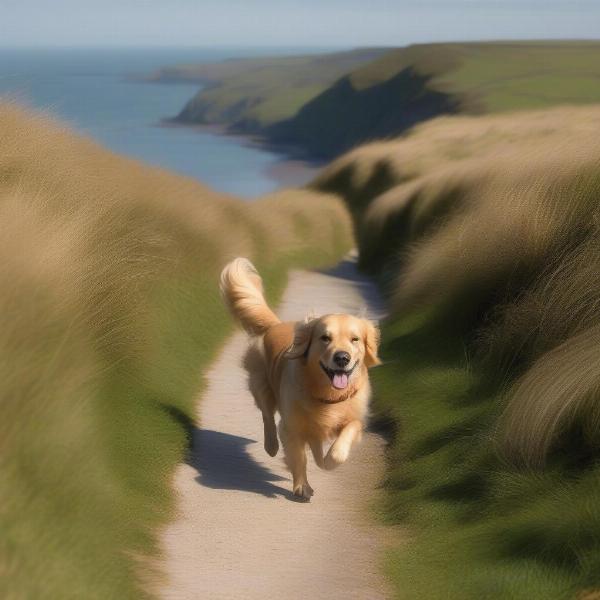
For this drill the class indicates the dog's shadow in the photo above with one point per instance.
(223, 462)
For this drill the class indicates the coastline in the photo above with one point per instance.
(293, 166)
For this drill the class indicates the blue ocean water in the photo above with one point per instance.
(91, 89)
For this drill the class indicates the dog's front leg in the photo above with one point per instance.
(295, 458)
(340, 449)
(316, 447)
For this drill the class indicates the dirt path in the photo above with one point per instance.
(239, 535)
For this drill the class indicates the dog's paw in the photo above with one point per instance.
(271, 446)
(338, 454)
(303, 491)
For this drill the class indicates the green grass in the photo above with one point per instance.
(499, 77)
(480, 73)
(480, 528)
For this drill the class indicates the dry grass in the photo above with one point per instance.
(485, 232)
(473, 211)
(109, 312)
(561, 386)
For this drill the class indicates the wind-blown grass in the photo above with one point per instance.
(110, 313)
(484, 233)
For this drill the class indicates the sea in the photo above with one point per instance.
(98, 92)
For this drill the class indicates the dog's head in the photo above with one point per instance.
(337, 350)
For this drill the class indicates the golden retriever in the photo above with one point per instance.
(313, 372)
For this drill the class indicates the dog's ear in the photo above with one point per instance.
(371, 337)
(302, 338)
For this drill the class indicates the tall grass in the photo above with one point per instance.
(109, 314)
(485, 233)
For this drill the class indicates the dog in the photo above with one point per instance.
(314, 373)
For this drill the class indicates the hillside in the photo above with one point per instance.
(390, 92)
(251, 94)
(484, 233)
(110, 313)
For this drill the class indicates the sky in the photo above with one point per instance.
(288, 23)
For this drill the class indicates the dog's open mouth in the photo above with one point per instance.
(339, 377)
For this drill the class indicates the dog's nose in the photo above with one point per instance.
(341, 359)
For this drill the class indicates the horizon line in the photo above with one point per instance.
(235, 46)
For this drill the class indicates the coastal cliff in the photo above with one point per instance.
(323, 105)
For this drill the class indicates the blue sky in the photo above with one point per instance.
(289, 23)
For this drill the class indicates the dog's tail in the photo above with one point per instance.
(242, 291)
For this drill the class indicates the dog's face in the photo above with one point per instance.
(337, 349)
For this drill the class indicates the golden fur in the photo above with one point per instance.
(294, 369)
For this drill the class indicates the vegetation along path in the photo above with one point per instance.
(238, 532)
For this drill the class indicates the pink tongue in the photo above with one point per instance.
(340, 381)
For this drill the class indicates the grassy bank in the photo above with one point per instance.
(327, 104)
(484, 233)
(110, 312)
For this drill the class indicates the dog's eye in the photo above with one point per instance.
(355, 339)
(326, 338)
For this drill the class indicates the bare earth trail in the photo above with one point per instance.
(239, 534)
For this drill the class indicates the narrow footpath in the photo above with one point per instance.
(238, 533)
